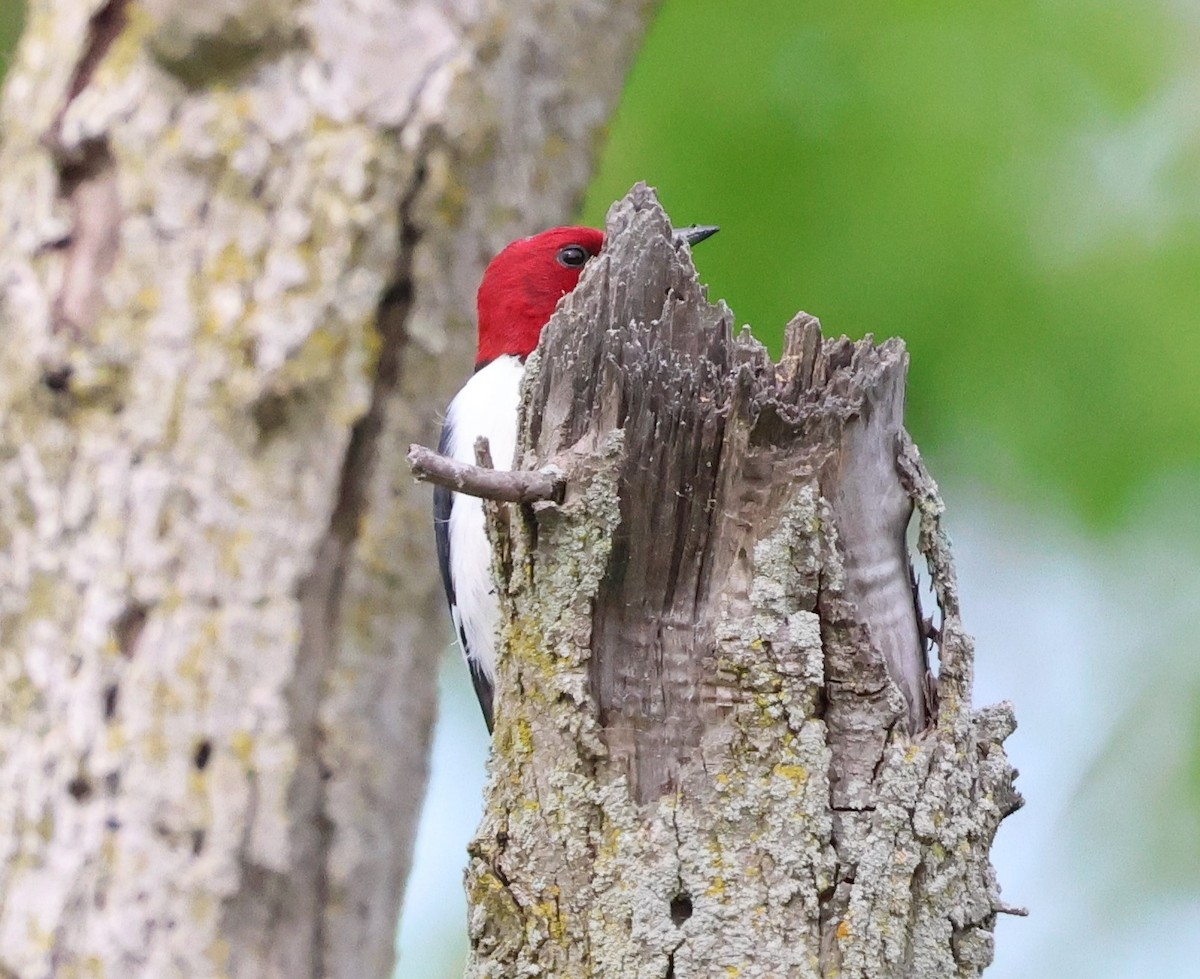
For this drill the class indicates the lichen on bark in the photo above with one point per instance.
(240, 243)
(717, 750)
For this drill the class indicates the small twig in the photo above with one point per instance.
(483, 453)
(547, 483)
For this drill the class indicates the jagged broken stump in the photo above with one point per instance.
(718, 749)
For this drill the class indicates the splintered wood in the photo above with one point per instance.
(718, 749)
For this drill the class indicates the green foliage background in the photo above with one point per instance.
(1011, 186)
(12, 15)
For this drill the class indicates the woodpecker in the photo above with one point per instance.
(517, 296)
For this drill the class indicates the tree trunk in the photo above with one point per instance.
(240, 239)
(718, 751)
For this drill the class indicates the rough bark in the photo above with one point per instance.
(240, 240)
(717, 752)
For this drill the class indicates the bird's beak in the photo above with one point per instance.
(695, 234)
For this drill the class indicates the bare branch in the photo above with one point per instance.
(504, 486)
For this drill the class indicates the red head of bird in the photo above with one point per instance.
(524, 283)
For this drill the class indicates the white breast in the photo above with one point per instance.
(487, 406)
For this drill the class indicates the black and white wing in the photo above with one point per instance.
(443, 504)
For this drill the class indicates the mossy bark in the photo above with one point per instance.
(240, 243)
(718, 751)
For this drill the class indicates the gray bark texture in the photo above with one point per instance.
(718, 752)
(240, 243)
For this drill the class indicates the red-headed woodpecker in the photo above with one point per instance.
(519, 292)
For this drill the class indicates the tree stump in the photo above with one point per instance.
(718, 751)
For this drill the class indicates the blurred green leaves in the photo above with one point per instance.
(1012, 187)
(12, 17)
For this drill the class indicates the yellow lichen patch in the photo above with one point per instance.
(322, 125)
(218, 955)
(108, 851)
(372, 347)
(610, 845)
(203, 906)
(230, 553)
(537, 664)
(242, 745)
(317, 359)
(45, 825)
(716, 888)
(39, 938)
(362, 614)
(514, 736)
(843, 930)
(555, 146)
(230, 265)
(911, 753)
(42, 601)
(191, 665)
(167, 697)
(197, 782)
(732, 971)
(155, 747)
(597, 137)
(172, 599)
(551, 913)
(20, 697)
(126, 49)
(148, 299)
(227, 127)
(453, 202)
(796, 774)
(488, 883)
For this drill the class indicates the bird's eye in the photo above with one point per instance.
(573, 256)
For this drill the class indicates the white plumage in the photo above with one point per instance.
(487, 406)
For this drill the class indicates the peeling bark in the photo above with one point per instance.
(716, 748)
(240, 243)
